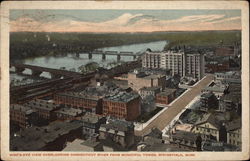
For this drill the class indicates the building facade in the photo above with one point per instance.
(179, 62)
(121, 132)
(208, 101)
(122, 105)
(68, 113)
(138, 80)
(79, 100)
(165, 97)
(91, 124)
(234, 133)
(44, 108)
(22, 116)
(149, 91)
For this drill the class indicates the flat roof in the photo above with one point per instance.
(167, 92)
(91, 118)
(70, 111)
(122, 97)
(42, 104)
(21, 108)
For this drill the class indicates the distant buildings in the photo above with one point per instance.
(179, 62)
(118, 131)
(165, 97)
(229, 77)
(122, 105)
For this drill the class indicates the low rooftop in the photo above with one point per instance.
(122, 97)
(42, 104)
(91, 118)
(119, 125)
(70, 111)
(167, 92)
(36, 138)
(21, 108)
(234, 125)
(150, 88)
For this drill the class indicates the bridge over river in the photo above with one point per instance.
(118, 54)
(37, 71)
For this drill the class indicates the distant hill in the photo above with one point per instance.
(30, 44)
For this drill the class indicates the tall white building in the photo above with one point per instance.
(179, 62)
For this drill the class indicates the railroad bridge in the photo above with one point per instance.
(118, 54)
(37, 71)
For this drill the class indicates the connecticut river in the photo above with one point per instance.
(72, 62)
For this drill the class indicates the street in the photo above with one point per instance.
(168, 115)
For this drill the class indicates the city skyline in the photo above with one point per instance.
(102, 21)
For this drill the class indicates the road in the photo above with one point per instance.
(168, 115)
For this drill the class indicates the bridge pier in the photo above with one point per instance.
(90, 55)
(36, 73)
(118, 57)
(55, 76)
(103, 57)
(19, 70)
(134, 57)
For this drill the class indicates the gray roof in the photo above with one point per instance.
(24, 109)
(70, 111)
(180, 135)
(91, 118)
(122, 97)
(42, 104)
(119, 125)
(80, 95)
(155, 132)
(213, 119)
(90, 143)
(207, 94)
(150, 88)
(35, 138)
(167, 92)
(234, 125)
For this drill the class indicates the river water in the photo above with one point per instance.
(71, 62)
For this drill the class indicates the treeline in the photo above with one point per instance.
(29, 44)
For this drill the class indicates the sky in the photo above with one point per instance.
(123, 20)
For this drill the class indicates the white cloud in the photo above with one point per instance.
(129, 23)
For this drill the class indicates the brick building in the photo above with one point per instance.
(166, 97)
(122, 105)
(79, 100)
(44, 108)
(22, 116)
